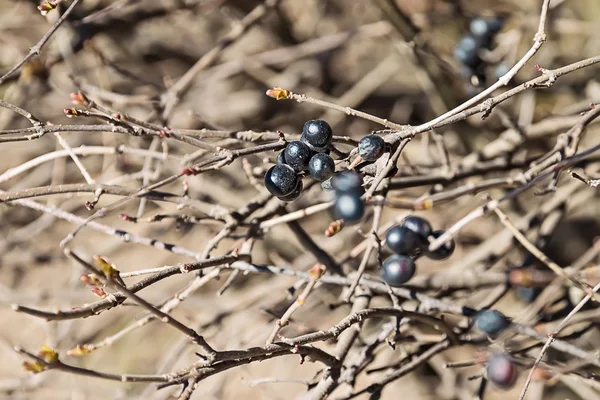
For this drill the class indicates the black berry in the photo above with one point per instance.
(281, 157)
(444, 251)
(402, 240)
(317, 132)
(371, 147)
(349, 207)
(281, 180)
(295, 194)
(297, 155)
(491, 322)
(501, 370)
(467, 51)
(418, 225)
(398, 269)
(315, 149)
(347, 182)
(321, 167)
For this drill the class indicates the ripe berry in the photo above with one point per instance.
(527, 294)
(297, 155)
(397, 269)
(313, 148)
(444, 251)
(281, 157)
(317, 132)
(501, 370)
(402, 240)
(281, 180)
(295, 194)
(371, 147)
(349, 207)
(418, 225)
(347, 182)
(491, 322)
(321, 167)
(467, 51)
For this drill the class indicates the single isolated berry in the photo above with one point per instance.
(348, 207)
(317, 132)
(297, 155)
(398, 269)
(295, 194)
(418, 225)
(444, 251)
(321, 167)
(371, 147)
(501, 370)
(491, 322)
(348, 182)
(281, 180)
(402, 240)
(280, 157)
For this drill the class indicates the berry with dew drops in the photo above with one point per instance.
(402, 240)
(281, 180)
(371, 147)
(349, 207)
(295, 194)
(501, 370)
(444, 251)
(297, 155)
(397, 269)
(491, 322)
(321, 167)
(317, 133)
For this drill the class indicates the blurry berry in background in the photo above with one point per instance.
(297, 155)
(397, 270)
(317, 132)
(349, 207)
(501, 370)
(321, 167)
(371, 147)
(281, 180)
(295, 194)
(444, 251)
(347, 182)
(467, 51)
(526, 294)
(491, 322)
(501, 70)
(402, 240)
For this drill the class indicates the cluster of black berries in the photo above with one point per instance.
(309, 154)
(408, 241)
(349, 205)
(467, 51)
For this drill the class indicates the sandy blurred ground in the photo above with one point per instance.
(155, 45)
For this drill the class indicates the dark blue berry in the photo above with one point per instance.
(371, 147)
(281, 157)
(349, 207)
(402, 240)
(491, 322)
(397, 269)
(295, 194)
(444, 251)
(467, 51)
(297, 155)
(318, 133)
(321, 167)
(501, 370)
(526, 294)
(418, 225)
(281, 180)
(348, 182)
(313, 148)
